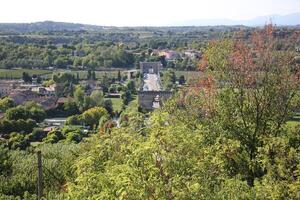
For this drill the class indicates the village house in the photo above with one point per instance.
(6, 89)
(20, 97)
(170, 55)
(8, 86)
(44, 91)
(192, 54)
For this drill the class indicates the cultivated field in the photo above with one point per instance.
(17, 73)
(47, 74)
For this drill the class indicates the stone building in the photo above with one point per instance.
(151, 95)
(150, 67)
(150, 100)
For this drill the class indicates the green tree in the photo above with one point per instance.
(26, 78)
(108, 105)
(6, 103)
(97, 97)
(5, 162)
(18, 141)
(30, 110)
(37, 135)
(73, 120)
(130, 86)
(93, 76)
(16, 113)
(105, 83)
(181, 80)
(70, 107)
(64, 84)
(120, 77)
(169, 79)
(62, 62)
(35, 111)
(79, 97)
(256, 98)
(77, 77)
(126, 97)
(92, 116)
(54, 137)
(89, 75)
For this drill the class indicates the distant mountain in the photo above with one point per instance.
(281, 20)
(47, 26)
(288, 20)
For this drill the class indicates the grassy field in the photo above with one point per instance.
(295, 121)
(17, 73)
(117, 103)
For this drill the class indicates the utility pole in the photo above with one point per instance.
(40, 175)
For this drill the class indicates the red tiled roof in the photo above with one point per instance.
(21, 97)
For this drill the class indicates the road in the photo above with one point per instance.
(151, 82)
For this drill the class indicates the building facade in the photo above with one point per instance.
(151, 96)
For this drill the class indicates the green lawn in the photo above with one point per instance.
(295, 121)
(35, 144)
(17, 73)
(117, 103)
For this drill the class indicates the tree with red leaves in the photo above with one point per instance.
(256, 88)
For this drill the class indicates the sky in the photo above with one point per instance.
(140, 12)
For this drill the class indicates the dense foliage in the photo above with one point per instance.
(225, 136)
